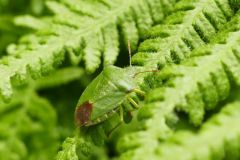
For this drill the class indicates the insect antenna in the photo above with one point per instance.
(155, 70)
(130, 53)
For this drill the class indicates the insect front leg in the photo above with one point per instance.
(135, 105)
(140, 92)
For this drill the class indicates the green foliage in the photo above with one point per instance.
(24, 124)
(21, 6)
(59, 77)
(28, 122)
(81, 33)
(192, 25)
(188, 65)
(218, 138)
(180, 88)
(10, 33)
(69, 150)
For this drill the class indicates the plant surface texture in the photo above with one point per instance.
(120, 79)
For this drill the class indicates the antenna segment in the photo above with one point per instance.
(130, 53)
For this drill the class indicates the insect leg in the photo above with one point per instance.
(130, 53)
(138, 91)
(133, 102)
(121, 121)
(121, 113)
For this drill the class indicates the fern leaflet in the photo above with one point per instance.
(24, 124)
(191, 26)
(80, 32)
(182, 88)
(212, 141)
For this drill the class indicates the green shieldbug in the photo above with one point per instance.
(103, 97)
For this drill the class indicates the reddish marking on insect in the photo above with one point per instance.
(83, 113)
(130, 116)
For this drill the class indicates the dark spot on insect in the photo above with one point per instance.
(83, 113)
(129, 91)
(128, 117)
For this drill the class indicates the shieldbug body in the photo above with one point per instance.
(105, 94)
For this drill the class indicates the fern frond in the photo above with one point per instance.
(24, 124)
(191, 26)
(31, 22)
(88, 142)
(59, 77)
(176, 87)
(15, 69)
(84, 32)
(218, 138)
(69, 150)
(98, 31)
(212, 141)
(9, 33)
(193, 87)
(12, 148)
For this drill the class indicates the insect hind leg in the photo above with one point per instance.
(121, 121)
